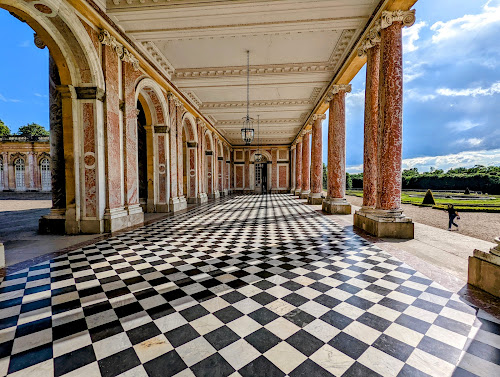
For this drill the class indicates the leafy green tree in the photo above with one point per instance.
(4, 130)
(33, 129)
(348, 181)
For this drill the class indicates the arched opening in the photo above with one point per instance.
(45, 175)
(1, 173)
(261, 180)
(142, 157)
(220, 168)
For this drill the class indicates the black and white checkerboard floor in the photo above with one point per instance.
(249, 286)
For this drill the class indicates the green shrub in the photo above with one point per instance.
(429, 198)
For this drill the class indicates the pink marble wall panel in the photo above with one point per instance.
(157, 105)
(283, 155)
(89, 160)
(317, 157)
(274, 167)
(192, 173)
(112, 105)
(162, 176)
(131, 173)
(390, 122)
(239, 176)
(283, 176)
(247, 169)
(209, 174)
(298, 166)
(306, 159)
(370, 163)
(231, 170)
(239, 155)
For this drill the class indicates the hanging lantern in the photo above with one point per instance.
(247, 132)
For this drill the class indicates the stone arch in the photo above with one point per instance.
(77, 168)
(190, 157)
(267, 157)
(153, 98)
(152, 145)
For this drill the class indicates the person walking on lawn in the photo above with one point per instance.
(452, 215)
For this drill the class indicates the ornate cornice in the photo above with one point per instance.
(337, 89)
(318, 117)
(284, 102)
(194, 98)
(371, 40)
(341, 46)
(108, 40)
(178, 102)
(407, 17)
(160, 59)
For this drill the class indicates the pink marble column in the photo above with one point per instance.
(180, 152)
(370, 165)
(298, 168)
(274, 178)
(390, 121)
(293, 158)
(335, 201)
(316, 160)
(247, 169)
(306, 166)
(174, 199)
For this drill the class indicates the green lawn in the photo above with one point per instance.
(470, 205)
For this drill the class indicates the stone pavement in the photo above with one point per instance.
(244, 286)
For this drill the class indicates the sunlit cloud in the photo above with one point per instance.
(5, 99)
(463, 125)
(412, 35)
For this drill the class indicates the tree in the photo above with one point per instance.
(33, 129)
(348, 181)
(4, 130)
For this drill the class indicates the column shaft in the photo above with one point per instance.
(306, 159)
(316, 161)
(298, 168)
(370, 164)
(336, 146)
(390, 122)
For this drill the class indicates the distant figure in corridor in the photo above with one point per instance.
(452, 214)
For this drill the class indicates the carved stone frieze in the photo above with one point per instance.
(319, 116)
(38, 41)
(407, 17)
(107, 39)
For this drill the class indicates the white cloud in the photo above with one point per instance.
(462, 159)
(459, 27)
(417, 96)
(25, 44)
(4, 99)
(471, 92)
(462, 125)
(472, 142)
(411, 35)
(40, 95)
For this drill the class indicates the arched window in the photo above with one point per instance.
(45, 174)
(19, 164)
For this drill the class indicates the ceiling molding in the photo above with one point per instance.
(194, 98)
(159, 58)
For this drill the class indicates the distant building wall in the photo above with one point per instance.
(25, 163)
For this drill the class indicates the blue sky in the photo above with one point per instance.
(452, 86)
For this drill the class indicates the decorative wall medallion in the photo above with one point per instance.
(161, 168)
(89, 160)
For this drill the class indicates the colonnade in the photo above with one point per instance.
(381, 213)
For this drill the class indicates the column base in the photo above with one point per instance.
(177, 204)
(315, 198)
(162, 208)
(53, 223)
(226, 192)
(336, 206)
(114, 219)
(202, 198)
(484, 270)
(297, 192)
(216, 194)
(135, 215)
(385, 223)
(304, 194)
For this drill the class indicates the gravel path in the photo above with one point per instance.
(485, 226)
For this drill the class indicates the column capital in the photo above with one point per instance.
(346, 88)
(372, 39)
(319, 117)
(306, 132)
(407, 17)
(293, 147)
(125, 55)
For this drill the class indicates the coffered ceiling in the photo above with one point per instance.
(296, 48)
